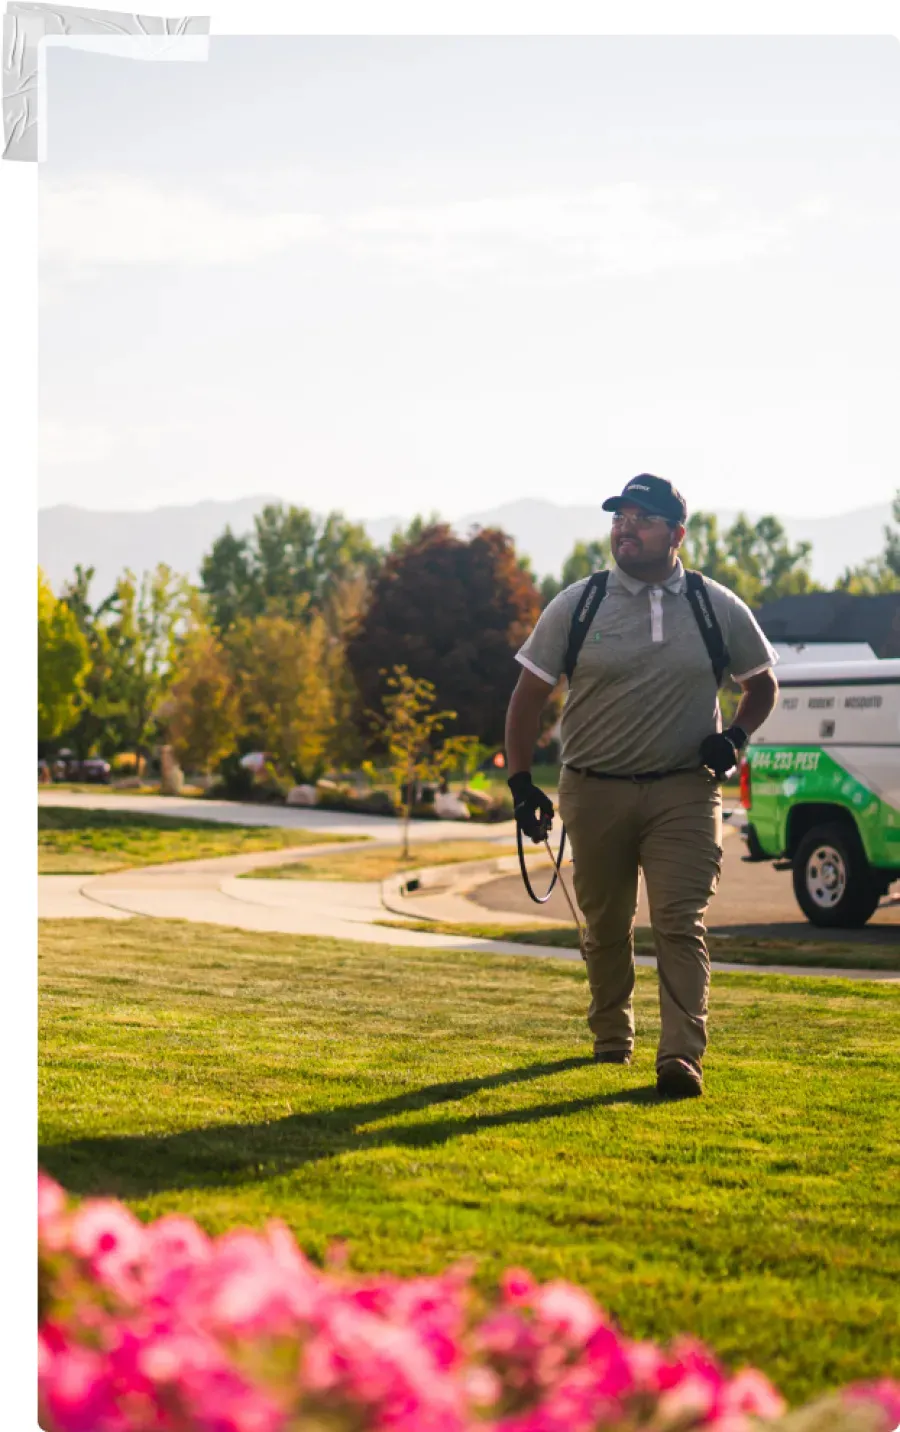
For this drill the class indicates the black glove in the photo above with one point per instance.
(720, 751)
(533, 810)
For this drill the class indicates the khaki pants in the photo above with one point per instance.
(671, 829)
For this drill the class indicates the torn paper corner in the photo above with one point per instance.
(144, 37)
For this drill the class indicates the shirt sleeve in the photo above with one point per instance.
(749, 649)
(544, 653)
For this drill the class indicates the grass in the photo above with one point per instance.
(544, 774)
(92, 788)
(382, 861)
(835, 954)
(424, 1105)
(72, 841)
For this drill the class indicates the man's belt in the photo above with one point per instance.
(617, 776)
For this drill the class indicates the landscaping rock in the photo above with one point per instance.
(481, 800)
(450, 807)
(303, 796)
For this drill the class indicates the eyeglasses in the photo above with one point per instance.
(639, 520)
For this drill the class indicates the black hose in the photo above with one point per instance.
(540, 899)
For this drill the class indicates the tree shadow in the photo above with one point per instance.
(217, 1156)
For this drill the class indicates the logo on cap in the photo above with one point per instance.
(637, 487)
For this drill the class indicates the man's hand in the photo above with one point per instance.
(720, 750)
(533, 809)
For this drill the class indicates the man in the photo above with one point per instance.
(642, 754)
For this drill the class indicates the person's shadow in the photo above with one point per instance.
(136, 1165)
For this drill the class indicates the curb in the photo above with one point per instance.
(455, 879)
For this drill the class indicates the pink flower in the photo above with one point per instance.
(220, 1400)
(74, 1389)
(608, 1363)
(482, 1386)
(51, 1199)
(248, 1286)
(751, 1392)
(693, 1397)
(690, 1359)
(648, 1366)
(242, 1334)
(112, 1241)
(506, 1334)
(884, 1394)
(51, 1214)
(175, 1241)
(567, 1310)
(517, 1285)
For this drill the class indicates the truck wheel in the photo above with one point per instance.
(833, 882)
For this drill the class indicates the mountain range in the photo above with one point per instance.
(545, 531)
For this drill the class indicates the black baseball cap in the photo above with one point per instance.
(654, 494)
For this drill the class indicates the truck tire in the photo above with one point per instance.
(833, 881)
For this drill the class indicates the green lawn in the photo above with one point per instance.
(833, 954)
(89, 842)
(91, 788)
(424, 1105)
(383, 861)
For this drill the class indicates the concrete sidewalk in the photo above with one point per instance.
(330, 909)
(374, 827)
(212, 891)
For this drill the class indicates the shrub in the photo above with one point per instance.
(345, 798)
(501, 808)
(151, 1327)
(235, 782)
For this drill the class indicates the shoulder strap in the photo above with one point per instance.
(588, 602)
(707, 621)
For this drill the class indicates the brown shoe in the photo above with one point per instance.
(676, 1079)
(612, 1056)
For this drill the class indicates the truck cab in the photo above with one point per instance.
(820, 784)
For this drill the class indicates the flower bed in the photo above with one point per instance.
(159, 1328)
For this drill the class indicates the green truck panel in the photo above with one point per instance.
(785, 778)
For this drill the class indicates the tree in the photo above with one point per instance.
(408, 728)
(706, 550)
(202, 709)
(286, 672)
(291, 563)
(63, 663)
(145, 621)
(408, 537)
(228, 580)
(878, 574)
(892, 539)
(754, 560)
(452, 612)
(133, 636)
(584, 558)
(869, 579)
(95, 728)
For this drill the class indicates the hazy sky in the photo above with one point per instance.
(396, 275)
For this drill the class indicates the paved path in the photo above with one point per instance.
(377, 827)
(212, 891)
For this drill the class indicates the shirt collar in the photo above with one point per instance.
(634, 585)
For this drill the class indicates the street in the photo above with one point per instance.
(753, 899)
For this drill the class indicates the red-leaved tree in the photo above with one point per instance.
(453, 612)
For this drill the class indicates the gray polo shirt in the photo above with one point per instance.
(643, 695)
